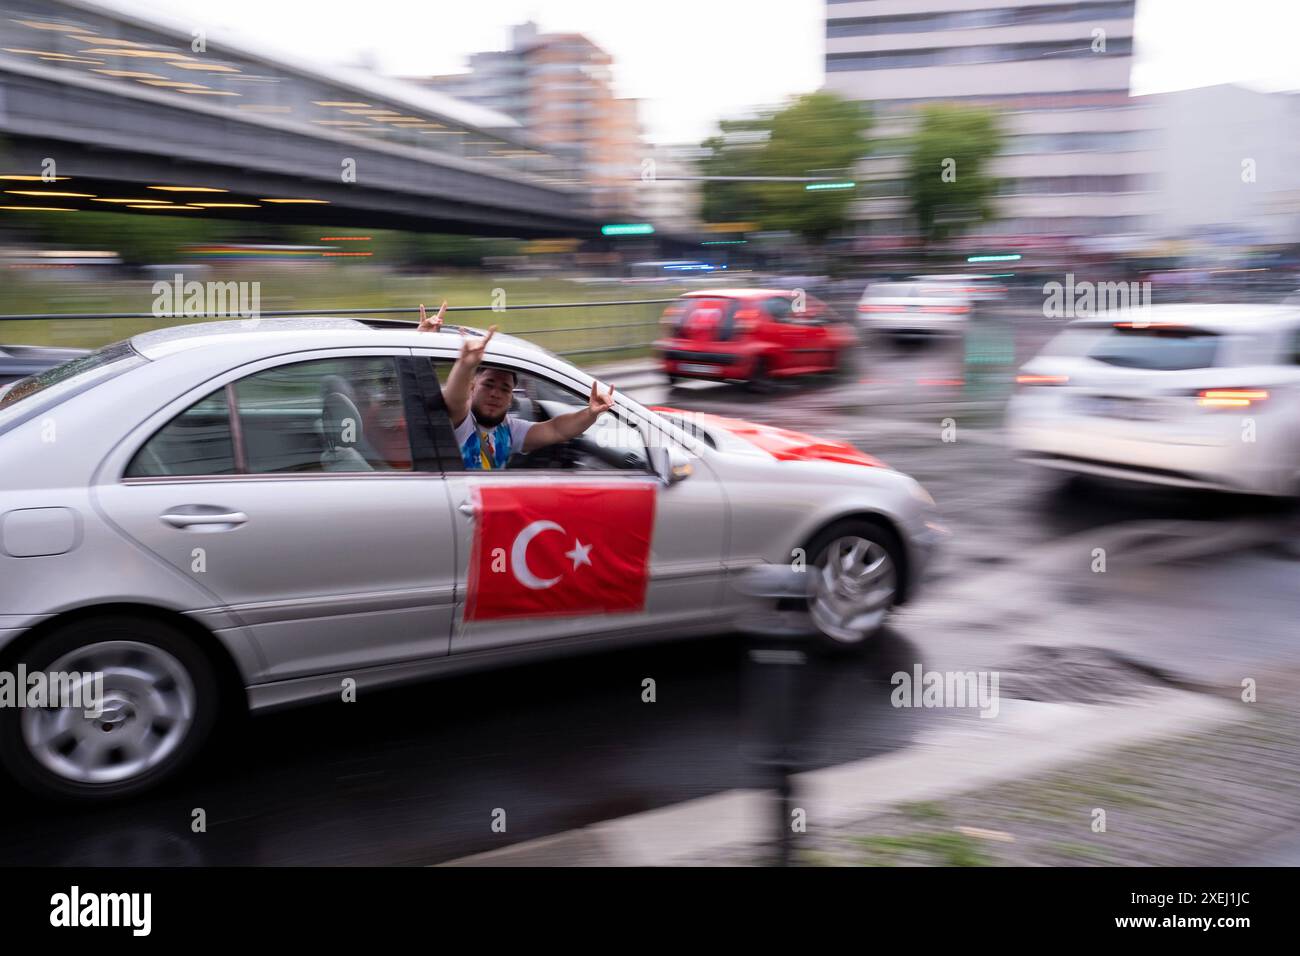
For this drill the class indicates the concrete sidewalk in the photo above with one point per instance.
(965, 755)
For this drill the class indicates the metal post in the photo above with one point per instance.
(776, 657)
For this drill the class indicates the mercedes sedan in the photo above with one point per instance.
(251, 514)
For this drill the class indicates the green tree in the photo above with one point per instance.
(948, 183)
(734, 151)
(819, 134)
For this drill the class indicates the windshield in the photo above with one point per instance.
(38, 393)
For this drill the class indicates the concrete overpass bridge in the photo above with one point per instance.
(126, 105)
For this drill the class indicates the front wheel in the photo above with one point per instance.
(856, 577)
(137, 699)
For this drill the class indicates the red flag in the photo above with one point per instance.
(560, 549)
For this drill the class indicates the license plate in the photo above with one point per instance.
(698, 369)
(1131, 409)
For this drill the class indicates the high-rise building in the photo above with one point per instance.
(1080, 153)
(559, 87)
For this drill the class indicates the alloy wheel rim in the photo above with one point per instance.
(853, 589)
(147, 708)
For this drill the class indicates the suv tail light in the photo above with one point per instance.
(1230, 397)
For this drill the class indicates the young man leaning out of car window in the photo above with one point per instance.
(478, 401)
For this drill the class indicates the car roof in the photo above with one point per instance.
(735, 293)
(1252, 317)
(269, 335)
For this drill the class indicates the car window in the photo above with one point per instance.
(38, 393)
(778, 308)
(1156, 349)
(707, 318)
(814, 312)
(689, 425)
(891, 290)
(198, 441)
(333, 415)
(613, 443)
(1073, 343)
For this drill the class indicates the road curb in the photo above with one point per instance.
(1027, 738)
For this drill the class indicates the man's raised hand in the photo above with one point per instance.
(434, 324)
(472, 348)
(598, 404)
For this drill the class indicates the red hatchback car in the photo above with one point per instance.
(751, 335)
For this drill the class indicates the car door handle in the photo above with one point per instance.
(466, 509)
(182, 520)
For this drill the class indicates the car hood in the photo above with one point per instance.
(782, 444)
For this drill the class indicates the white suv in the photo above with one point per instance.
(1195, 396)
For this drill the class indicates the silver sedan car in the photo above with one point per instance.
(251, 514)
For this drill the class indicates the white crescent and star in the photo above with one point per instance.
(579, 555)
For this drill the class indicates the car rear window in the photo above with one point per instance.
(891, 290)
(1157, 349)
(698, 310)
(1073, 343)
(38, 393)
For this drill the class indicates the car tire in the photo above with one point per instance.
(849, 608)
(840, 365)
(760, 377)
(160, 697)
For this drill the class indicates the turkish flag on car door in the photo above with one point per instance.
(544, 550)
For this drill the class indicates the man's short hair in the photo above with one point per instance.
(484, 369)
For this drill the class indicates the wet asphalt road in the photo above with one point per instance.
(413, 776)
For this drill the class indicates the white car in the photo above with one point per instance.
(974, 288)
(913, 307)
(1193, 396)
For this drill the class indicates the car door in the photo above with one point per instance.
(300, 492)
(792, 356)
(818, 342)
(685, 560)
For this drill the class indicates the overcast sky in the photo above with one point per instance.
(693, 61)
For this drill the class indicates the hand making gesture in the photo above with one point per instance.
(598, 403)
(434, 324)
(472, 347)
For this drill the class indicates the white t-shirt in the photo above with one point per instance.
(518, 431)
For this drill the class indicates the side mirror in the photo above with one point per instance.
(669, 464)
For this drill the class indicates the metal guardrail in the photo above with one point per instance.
(288, 313)
(583, 339)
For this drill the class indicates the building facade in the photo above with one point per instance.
(1080, 155)
(559, 88)
(1229, 165)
